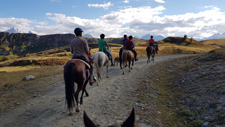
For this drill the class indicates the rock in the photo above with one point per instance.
(206, 124)
(192, 118)
(29, 77)
(171, 66)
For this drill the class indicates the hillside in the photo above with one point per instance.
(22, 44)
(216, 42)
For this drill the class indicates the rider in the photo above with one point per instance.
(80, 50)
(103, 45)
(151, 43)
(130, 46)
(124, 46)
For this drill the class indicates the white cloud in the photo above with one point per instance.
(126, 1)
(24, 25)
(48, 14)
(105, 5)
(160, 1)
(55, 0)
(133, 21)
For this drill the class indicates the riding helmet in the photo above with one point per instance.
(78, 30)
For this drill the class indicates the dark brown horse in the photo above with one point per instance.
(150, 52)
(127, 56)
(130, 121)
(75, 71)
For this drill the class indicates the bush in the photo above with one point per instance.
(185, 37)
(5, 58)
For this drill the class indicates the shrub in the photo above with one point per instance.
(185, 37)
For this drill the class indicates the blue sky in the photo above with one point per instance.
(195, 18)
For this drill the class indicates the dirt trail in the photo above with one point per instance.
(107, 104)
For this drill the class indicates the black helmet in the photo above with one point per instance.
(125, 36)
(78, 30)
(102, 36)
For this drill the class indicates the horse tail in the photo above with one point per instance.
(69, 78)
(98, 64)
(125, 58)
(148, 51)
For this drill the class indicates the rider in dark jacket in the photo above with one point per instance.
(130, 46)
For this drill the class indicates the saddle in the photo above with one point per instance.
(87, 64)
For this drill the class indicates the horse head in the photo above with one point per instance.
(129, 122)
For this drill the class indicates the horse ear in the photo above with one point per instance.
(130, 120)
(87, 121)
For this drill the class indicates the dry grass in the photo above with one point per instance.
(17, 68)
(218, 42)
(15, 91)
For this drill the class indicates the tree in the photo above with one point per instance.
(185, 37)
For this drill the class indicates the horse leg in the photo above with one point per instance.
(129, 65)
(123, 67)
(76, 96)
(84, 90)
(153, 58)
(120, 63)
(107, 71)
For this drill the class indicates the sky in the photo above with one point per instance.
(114, 18)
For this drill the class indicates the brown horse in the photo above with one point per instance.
(127, 56)
(130, 122)
(75, 71)
(150, 52)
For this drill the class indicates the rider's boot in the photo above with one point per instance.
(91, 78)
(136, 58)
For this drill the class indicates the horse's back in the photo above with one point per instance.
(80, 66)
(128, 54)
(100, 58)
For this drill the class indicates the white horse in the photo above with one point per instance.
(101, 60)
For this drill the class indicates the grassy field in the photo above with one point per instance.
(217, 42)
(37, 63)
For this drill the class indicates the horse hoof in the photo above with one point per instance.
(77, 110)
(70, 113)
(81, 102)
(87, 95)
(123, 73)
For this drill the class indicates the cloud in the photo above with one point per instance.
(48, 14)
(105, 5)
(133, 21)
(126, 1)
(55, 1)
(160, 1)
(24, 25)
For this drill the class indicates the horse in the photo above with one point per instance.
(75, 71)
(129, 122)
(101, 60)
(127, 56)
(150, 52)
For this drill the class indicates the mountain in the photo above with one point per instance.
(156, 38)
(88, 36)
(30, 32)
(216, 36)
(13, 30)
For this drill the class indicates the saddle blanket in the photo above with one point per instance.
(79, 60)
